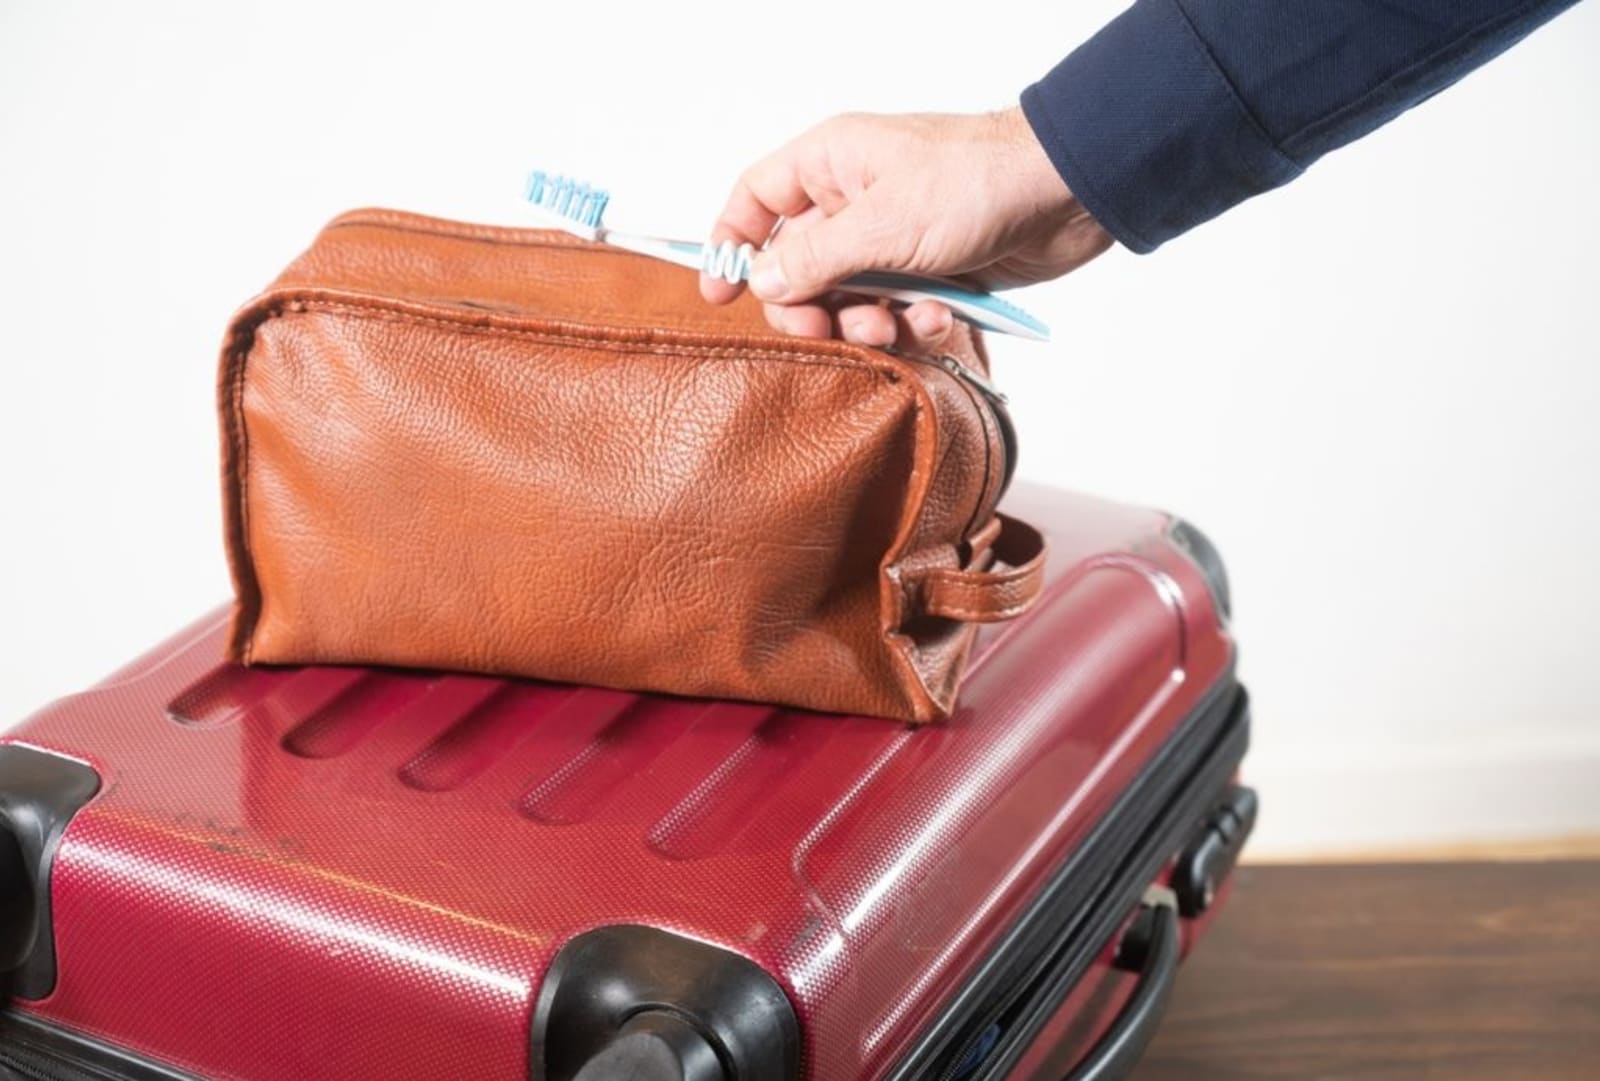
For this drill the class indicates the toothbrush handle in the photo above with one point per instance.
(983, 310)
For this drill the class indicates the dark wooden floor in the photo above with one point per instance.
(1448, 972)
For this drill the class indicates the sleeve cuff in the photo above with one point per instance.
(1147, 131)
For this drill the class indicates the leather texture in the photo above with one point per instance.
(512, 452)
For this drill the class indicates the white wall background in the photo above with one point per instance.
(1377, 389)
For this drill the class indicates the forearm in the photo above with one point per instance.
(1180, 109)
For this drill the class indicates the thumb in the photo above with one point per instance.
(804, 262)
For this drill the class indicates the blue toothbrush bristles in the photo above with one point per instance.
(568, 199)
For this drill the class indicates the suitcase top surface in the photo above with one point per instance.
(375, 867)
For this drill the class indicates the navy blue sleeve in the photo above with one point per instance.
(1180, 109)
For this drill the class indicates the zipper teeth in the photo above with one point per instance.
(1191, 751)
(987, 399)
(32, 1070)
(954, 365)
(36, 1056)
(1182, 811)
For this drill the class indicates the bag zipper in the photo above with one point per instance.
(999, 408)
(989, 399)
(954, 366)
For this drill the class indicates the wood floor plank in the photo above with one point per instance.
(1394, 972)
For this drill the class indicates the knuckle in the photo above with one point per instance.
(823, 130)
(843, 126)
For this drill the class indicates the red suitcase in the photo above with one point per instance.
(276, 875)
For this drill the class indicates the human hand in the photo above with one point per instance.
(969, 197)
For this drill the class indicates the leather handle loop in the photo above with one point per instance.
(991, 596)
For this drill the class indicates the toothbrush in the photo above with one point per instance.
(578, 209)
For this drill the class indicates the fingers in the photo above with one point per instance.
(745, 220)
(801, 320)
(855, 319)
(802, 263)
(868, 324)
(923, 328)
(771, 189)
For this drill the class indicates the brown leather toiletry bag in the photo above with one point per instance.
(509, 451)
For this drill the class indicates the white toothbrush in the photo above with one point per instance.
(578, 209)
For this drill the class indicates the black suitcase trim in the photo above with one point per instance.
(39, 794)
(644, 1003)
(1089, 897)
(34, 1050)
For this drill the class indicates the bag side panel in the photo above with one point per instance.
(643, 515)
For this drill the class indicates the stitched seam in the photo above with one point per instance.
(902, 647)
(976, 595)
(239, 357)
(1008, 612)
(917, 692)
(384, 314)
(913, 688)
(505, 237)
(535, 238)
(402, 221)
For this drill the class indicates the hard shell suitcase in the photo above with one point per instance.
(280, 874)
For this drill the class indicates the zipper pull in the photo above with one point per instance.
(961, 371)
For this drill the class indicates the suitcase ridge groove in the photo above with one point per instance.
(483, 735)
(583, 784)
(719, 808)
(340, 724)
